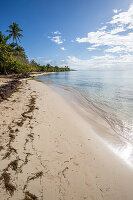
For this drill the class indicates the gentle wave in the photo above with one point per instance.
(120, 127)
(110, 99)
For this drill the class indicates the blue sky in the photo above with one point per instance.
(79, 33)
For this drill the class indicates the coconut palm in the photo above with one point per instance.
(20, 51)
(3, 38)
(14, 31)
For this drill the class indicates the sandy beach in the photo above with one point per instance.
(48, 151)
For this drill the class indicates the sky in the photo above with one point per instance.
(83, 34)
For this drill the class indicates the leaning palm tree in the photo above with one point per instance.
(14, 31)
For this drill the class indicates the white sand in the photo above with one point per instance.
(75, 162)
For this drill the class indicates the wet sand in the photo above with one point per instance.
(49, 151)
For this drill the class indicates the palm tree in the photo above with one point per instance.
(14, 31)
(19, 49)
(3, 38)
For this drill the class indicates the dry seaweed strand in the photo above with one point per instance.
(6, 177)
(37, 175)
(8, 89)
(13, 165)
(1, 148)
(30, 196)
(25, 114)
(7, 182)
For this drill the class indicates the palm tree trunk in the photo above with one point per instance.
(5, 72)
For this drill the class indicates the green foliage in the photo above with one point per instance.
(49, 68)
(6, 58)
(13, 58)
(35, 66)
(14, 31)
(8, 62)
(3, 38)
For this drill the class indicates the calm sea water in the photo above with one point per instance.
(110, 92)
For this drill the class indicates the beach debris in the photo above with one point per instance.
(6, 90)
(7, 182)
(1, 148)
(66, 161)
(31, 136)
(20, 123)
(12, 137)
(63, 172)
(13, 165)
(25, 115)
(25, 161)
(26, 141)
(7, 154)
(30, 196)
(9, 151)
(6, 176)
(37, 175)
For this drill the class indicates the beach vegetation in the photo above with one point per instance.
(14, 32)
(13, 59)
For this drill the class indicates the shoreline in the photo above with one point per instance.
(116, 113)
(93, 115)
(59, 155)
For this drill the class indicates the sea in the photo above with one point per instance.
(109, 93)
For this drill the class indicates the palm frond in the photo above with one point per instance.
(14, 31)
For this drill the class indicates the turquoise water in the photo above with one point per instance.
(110, 92)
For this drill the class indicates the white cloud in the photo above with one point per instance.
(117, 30)
(57, 33)
(102, 38)
(116, 11)
(106, 61)
(62, 48)
(102, 28)
(115, 36)
(119, 49)
(115, 40)
(91, 48)
(57, 39)
(114, 49)
(123, 18)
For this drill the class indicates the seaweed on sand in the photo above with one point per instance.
(7, 182)
(1, 148)
(37, 175)
(14, 165)
(30, 196)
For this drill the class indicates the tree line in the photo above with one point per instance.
(13, 58)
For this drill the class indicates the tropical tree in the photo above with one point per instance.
(35, 65)
(3, 38)
(20, 51)
(5, 57)
(14, 31)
